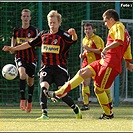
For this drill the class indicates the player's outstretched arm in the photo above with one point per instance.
(16, 48)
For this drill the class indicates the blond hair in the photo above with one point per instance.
(26, 10)
(54, 13)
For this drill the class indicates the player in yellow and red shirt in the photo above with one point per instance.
(106, 69)
(92, 46)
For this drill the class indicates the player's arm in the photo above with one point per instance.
(129, 66)
(72, 32)
(25, 45)
(16, 48)
(99, 44)
(13, 42)
(128, 58)
(82, 55)
(94, 50)
(112, 45)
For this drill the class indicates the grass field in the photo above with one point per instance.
(61, 118)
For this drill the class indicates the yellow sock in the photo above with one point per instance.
(104, 102)
(108, 94)
(86, 94)
(73, 83)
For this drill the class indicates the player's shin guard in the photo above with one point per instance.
(104, 102)
(68, 100)
(108, 94)
(109, 97)
(22, 88)
(70, 85)
(43, 102)
(30, 93)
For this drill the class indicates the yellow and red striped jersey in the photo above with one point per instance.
(96, 42)
(114, 56)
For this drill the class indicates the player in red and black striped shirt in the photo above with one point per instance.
(55, 45)
(21, 35)
(26, 60)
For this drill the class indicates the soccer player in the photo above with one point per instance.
(92, 47)
(55, 44)
(26, 60)
(108, 67)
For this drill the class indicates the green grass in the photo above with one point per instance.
(62, 118)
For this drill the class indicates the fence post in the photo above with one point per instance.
(88, 11)
(117, 79)
(39, 50)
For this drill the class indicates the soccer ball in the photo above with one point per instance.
(9, 71)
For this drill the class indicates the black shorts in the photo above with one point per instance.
(54, 74)
(29, 67)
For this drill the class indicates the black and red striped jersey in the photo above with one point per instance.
(22, 35)
(54, 47)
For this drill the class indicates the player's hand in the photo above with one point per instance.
(8, 48)
(80, 55)
(71, 31)
(129, 66)
(87, 48)
(103, 53)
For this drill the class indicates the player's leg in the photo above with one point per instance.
(86, 94)
(30, 70)
(45, 81)
(75, 81)
(82, 74)
(104, 102)
(60, 79)
(22, 75)
(43, 104)
(69, 101)
(109, 97)
(30, 93)
(22, 87)
(102, 81)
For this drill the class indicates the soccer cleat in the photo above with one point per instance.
(79, 114)
(85, 107)
(43, 117)
(112, 115)
(104, 116)
(22, 104)
(29, 107)
(51, 95)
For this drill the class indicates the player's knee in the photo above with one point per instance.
(98, 90)
(30, 83)
(85, 73)
(22, 76)
(85, 84)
